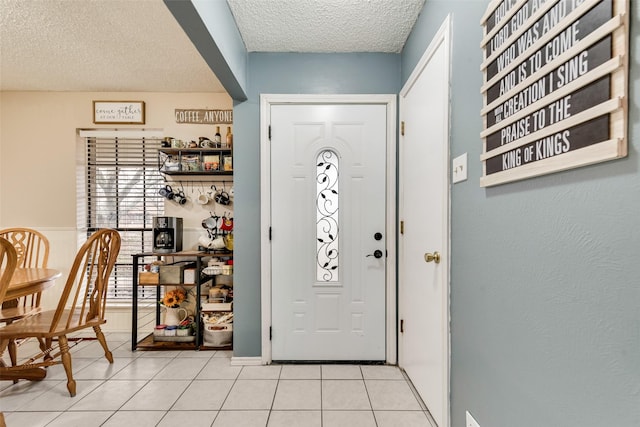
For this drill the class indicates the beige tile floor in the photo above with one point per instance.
(171, 388)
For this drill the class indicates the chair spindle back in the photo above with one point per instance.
(32, 247)
(85, 293)
(8, 262)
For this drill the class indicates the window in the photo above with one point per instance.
(327, 227)
(121, 184)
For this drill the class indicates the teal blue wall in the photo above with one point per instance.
(362, 73)
(545, 273)
(545, 294)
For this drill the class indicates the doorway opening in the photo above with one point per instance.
(308, 308)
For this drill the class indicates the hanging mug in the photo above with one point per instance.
(206, 242)
(222, 197)
(203, 199)
(227, 224)
(228, 241)
(218, 243)
(167, 192)
(211, 223)
(180, 198)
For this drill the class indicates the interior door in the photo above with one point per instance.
(423, 270)
(328, 208)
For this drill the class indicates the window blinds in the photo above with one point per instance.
(122, 182)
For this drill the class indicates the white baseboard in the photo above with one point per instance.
(246, 361)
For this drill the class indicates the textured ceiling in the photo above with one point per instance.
(98, 45)
(325, 25)
(137, 45)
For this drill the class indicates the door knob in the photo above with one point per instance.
(435, 257)
(377, 236)
(377, 254)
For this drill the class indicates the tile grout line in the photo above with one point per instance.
(187, 388)
(368, 396)
(321, 403)
(235, 380)
(274, 395)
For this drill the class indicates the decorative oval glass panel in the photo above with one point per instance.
(327, 227)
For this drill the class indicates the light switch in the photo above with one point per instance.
(459, 168)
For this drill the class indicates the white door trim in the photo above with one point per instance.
(266, 100)
(442, 37)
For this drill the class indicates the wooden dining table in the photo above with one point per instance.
(27, 281)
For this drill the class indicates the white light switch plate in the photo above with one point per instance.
(459, 168)
(470, 421)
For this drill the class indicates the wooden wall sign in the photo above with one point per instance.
(555, 86)
(118, 112)
(204, 116)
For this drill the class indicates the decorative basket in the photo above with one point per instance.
(217, 335)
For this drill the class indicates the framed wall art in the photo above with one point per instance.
(118, 112)
(555, 86)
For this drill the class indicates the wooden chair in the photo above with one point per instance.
(32, 249)
(8, 263)
(82, 305)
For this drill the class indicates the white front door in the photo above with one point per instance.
(328, 213)
(423, 285)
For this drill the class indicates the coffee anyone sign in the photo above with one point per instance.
(555, 86)
(204, 116)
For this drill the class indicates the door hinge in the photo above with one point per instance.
(269, 233)
(270, 333)
(269, 132)
(401, 227)
(401, 326)
(402, 128)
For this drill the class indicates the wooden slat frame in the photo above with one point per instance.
(571, 17)
(593, 75)
(525, 25)
(505, 20)
(616, 106)
(607, 28)
(584, 116)
(595, 153)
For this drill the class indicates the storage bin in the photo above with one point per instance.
(173, 274)
(217, 335)
(183, 331)
(146, 278)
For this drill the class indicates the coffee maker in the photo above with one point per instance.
(167, 234)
